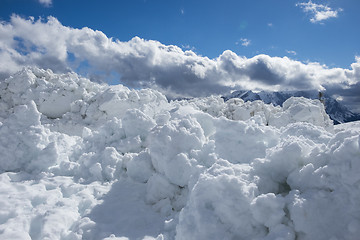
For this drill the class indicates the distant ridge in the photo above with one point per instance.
(337, 112)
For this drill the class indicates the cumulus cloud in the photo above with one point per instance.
(46, 43)
(46, 3)
(244, 42)
(318, 12)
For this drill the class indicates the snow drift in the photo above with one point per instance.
(81, 160)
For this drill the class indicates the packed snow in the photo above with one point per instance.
(80, 160)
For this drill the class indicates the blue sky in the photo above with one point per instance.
(190, 48)
(273, 27)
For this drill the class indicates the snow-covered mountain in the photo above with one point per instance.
(337, 111)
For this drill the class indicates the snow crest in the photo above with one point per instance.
(80, 160)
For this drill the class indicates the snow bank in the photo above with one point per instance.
(87, 161)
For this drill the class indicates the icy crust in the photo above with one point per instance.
(81, 160)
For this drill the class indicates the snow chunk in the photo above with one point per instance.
(139, 168)
(180, 138)
(219, 206)
(268, 210)
(300, 109)
(25, 143)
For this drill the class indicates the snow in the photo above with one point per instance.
(336, 111)
(80, 160)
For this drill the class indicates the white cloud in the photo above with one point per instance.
(244, 42)
(188, 47)
(270, 25)
(168, 68)
(357, 59)
(46, 3)
(292, 52)
(318, 12)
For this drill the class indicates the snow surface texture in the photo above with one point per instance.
(81, 160)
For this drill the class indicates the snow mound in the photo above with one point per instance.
(82, 160)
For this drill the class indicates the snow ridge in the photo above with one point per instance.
(336, 111)
(87, 161)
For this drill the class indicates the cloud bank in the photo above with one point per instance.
(318, 12)
(46, 43)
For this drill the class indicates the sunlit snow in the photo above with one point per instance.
(81, 160)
